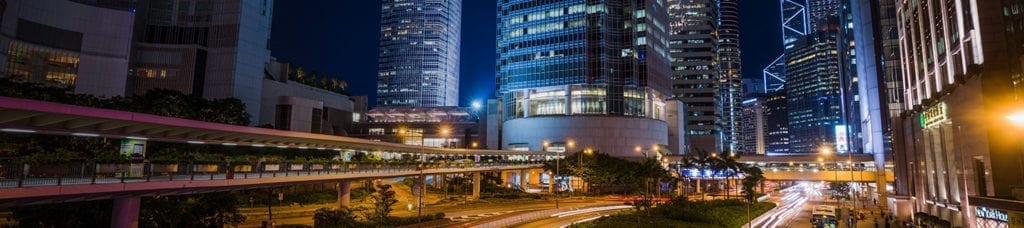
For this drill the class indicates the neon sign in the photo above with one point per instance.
(984, 212)
(933, 116)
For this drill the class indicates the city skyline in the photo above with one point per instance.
(322, 52)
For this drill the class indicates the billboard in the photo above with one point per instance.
(841, 141)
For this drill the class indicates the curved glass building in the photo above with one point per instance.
(418, 60)
(585, 74)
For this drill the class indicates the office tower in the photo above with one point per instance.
(879, 82)
(795, 21)
(881, 95)
(76, 44)
(214, 49)
(776, 119)
(812, 93)
(696, 77)
(822, 12)
(730, 78)
(752, 126)
(961, 126)
(849, 89)
(418, 60)
(584, 74)
(775, 75)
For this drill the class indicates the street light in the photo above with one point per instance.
(826, 152)
(554, 180)
(445, 132)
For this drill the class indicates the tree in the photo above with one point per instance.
(701, 161)
(753, 177)
(339, 217)
(205, 210)
(382, 200)
(840, 190)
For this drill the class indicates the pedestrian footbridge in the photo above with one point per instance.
(23, 183)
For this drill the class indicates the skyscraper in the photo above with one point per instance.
(418, 60)
(795, 21)
(752, 137)
(776, 118)
(214, 49)
(821, 12)
(775, 75)
(812, 93)
(584, 74)
(962, 77)
(695, 75)
(730, 78)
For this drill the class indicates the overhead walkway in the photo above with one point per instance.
(22, 183)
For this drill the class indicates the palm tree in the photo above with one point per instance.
(702, 161)
(731, 168)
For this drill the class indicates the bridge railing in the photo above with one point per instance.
(16, 173)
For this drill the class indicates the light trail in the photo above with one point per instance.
(588, 210)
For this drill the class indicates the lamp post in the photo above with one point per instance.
(554, 179)
(569, 144)
(826, 152)
(423, 191)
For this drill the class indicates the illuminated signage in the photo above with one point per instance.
(841, 141)
(988, 213)
(933, 116)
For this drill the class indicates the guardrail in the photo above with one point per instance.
(15, 173)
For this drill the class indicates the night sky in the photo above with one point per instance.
(340, 38)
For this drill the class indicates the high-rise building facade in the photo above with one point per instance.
(752, 126)
(795, 21)
(879, 86)
(418, 59)
(214, 49)
(849, 80)
(812, 93)
(730, 85)
(584, 74)
(822, 12)
(81, 45)
(776, 118)
(695, 74)
(959, 149)
(774, 75)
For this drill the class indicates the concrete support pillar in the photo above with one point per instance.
(476, 185)
(551, 183)
(523, 182)
(505, 180)
(535, 177)
(344, 193)
(126, 212)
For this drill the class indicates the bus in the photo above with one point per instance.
(824, 216)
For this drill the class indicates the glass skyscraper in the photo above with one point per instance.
(564, 67)
(695, 73)
(418, 60)
(812, 93)
(730, 77)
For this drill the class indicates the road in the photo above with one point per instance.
(793, 208)
(796, 203)
(567, 218)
